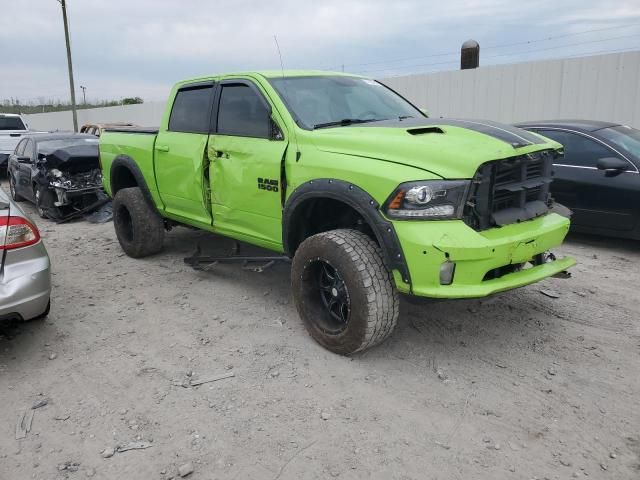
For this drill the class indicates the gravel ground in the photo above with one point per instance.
(516, 386)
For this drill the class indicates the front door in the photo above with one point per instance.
(180, 154)
(246, 151)
(24, 184)
(597, 200)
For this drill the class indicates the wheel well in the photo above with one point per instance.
(316, 215)
(121, 177)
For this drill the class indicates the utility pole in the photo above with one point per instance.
(84, 96)
(71, 86)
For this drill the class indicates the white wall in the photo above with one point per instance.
(602, 87)
(144, 114)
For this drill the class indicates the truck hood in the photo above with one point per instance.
(449, 148)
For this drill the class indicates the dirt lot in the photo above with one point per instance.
(517, 386)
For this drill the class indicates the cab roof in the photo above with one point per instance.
(272, 74)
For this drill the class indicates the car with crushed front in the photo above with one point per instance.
(59, 172)
(25, 269)
(368, 196)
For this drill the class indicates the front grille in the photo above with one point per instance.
(510, 191)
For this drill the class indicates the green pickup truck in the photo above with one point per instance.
(368, 196)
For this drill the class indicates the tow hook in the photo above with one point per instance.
(547, 257)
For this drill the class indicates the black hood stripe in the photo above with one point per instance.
(506, 133)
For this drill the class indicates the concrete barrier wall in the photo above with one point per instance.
(601, 87)
(145, 114)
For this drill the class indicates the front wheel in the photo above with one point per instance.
(343, 291)
(139, 228)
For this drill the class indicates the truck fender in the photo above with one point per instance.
(125, 173)
(361, 202)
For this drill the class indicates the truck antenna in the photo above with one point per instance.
(284, 86)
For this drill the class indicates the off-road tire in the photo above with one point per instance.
(12, 190)
(373, 298)
(139, 228)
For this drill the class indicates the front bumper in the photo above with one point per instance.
(428, 244)
(25, 282)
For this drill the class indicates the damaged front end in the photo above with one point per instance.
(70, 183)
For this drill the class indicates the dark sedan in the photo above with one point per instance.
(59, 172)
(598, 177)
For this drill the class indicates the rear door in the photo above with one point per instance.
(246, 151)
(597, 200)
(180, 155)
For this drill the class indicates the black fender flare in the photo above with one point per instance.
(361, 202)
(128, 163)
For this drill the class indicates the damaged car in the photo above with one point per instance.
(59, 172)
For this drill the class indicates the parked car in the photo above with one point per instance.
(97, 128)
(59, 172)
(12, 128)
(598, 178)
(367, 195)
(25, 280)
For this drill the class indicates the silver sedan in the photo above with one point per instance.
(25, 270)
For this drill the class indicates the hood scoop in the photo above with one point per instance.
(424, 130)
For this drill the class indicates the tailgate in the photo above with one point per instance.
(9, 140)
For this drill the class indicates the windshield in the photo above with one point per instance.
(45, 147)
(11, 123)
(626, 138)
(336, 100)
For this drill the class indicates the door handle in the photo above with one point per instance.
(162, 148)
(219, 153)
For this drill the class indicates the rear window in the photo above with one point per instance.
(11, 123)
(191, 110)
(46, 147)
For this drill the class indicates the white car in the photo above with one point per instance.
(12, 128)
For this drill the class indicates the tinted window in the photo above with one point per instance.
(20, 147)
(242, 112)
(578, 149)
(191, 109)
(28, 149)
(11, 123)
(623, 137)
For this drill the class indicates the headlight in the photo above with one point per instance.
(56, 173)
(428, 199)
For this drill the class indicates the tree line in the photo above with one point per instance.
(42, 105)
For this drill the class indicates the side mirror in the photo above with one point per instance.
(612, 165)
(24, 159)
(274, 130)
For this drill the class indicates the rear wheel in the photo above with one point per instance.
(343, 291)
(12, 189)
(139, 228)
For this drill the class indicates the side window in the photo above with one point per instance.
(579, 150)
(28, 149)
(242, 112)
(20, 148)
(191, 110)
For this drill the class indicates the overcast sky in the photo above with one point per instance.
(140, 47)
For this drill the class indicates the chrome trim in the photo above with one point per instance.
(606, 145)
(587, 168)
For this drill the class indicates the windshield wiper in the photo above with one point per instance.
(404, 117)
(346, 121)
